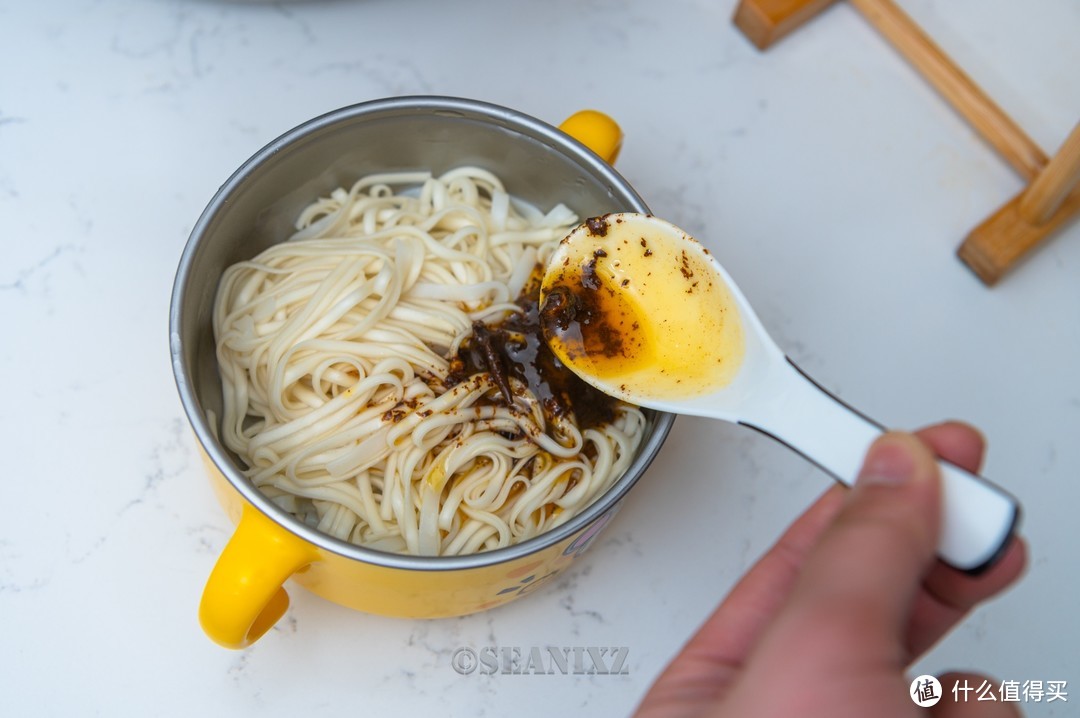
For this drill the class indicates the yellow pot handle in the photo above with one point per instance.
(244, 597)
(596, 131)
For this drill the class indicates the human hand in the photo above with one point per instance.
(826, 623)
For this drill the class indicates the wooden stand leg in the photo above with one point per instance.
(1047, 193)
(766, 21)
(996, 245)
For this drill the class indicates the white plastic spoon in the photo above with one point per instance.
(640, 310)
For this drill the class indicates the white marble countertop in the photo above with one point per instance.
(825, 174)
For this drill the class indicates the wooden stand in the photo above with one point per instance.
(1051, 199)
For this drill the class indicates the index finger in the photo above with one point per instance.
(947, 594)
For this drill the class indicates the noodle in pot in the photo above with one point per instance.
(344, 392)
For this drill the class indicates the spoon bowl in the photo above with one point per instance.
(642, 311)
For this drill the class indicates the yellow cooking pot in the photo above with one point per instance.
(539, 164)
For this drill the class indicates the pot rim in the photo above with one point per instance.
(501, 116)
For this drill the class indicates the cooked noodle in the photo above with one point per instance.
(333, 350)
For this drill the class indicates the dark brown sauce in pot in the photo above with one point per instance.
(515, 347)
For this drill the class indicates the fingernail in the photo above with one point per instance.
(889, 462)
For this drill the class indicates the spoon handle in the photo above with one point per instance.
(978, 517)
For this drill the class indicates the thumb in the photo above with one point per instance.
(868, 565)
